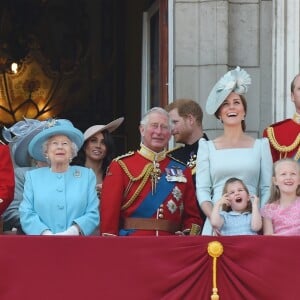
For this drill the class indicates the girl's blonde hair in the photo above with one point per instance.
(232, 180)
(275, 192)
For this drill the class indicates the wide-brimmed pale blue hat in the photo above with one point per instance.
(54, 127)
(19, 136)
(236, 81)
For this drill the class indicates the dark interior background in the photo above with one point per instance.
(90, 52)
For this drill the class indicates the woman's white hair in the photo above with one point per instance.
(74, 147)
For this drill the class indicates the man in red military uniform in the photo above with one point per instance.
(284, 136)
(147, 192)
(7, 181)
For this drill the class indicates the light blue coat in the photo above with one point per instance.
(55, 201)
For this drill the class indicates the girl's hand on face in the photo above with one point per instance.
(225, 200)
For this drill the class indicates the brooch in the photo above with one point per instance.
(77, 173)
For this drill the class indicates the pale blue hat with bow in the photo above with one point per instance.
(236, 81)
(54, 127)
(19, 136)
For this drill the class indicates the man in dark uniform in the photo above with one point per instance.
(147, 192)
(284, 136)
(187, 116)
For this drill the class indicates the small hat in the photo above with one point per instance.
(113, 125)
(236, 81)
(19, 136)
(54, 127)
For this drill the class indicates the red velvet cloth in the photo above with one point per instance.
(7, 178)
(169, 268)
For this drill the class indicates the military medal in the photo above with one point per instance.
(192, 161)
(172, 206)
(177, 194)
(175, 175)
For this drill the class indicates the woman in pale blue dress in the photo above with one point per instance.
(234, 153)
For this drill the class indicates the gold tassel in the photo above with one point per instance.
(195, 229)
(215, 249)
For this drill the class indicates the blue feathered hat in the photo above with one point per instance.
(236, 81)
(19, 136)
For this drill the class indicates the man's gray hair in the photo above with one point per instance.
(159, 110)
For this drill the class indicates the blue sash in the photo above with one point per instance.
(152, 202)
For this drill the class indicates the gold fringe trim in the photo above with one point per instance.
(144, 174)
(297, 156)
(282, 148)
(215, 249)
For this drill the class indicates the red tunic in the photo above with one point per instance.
(185, 210)
(285, 134)
(7, 180)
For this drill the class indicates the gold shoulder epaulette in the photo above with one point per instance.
(282, 148)
(174, 149)
(124, 155)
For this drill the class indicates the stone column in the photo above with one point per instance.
(285, 62)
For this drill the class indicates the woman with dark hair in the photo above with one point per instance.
(98, 149)
(234, 153)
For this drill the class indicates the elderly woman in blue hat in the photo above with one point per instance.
(59, 199)
(234, 153)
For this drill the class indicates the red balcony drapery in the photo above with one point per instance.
(169, 268)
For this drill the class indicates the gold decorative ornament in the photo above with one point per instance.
(215, 250)
(195, 229)
(282, 148)
(145, 174)
(155, 176)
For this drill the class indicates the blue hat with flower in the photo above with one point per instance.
(54, 127)
(236, 81)
(19, 136)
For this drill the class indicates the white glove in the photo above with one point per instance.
(47, 232)
(179, 233)
(108, 234)
(72, 230)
